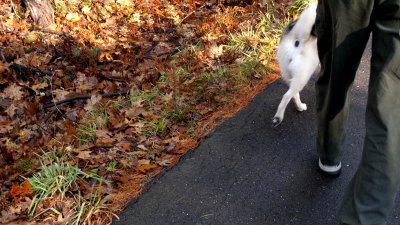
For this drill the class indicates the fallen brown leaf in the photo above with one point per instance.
(147, 167)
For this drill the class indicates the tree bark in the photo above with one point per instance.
(41, 12)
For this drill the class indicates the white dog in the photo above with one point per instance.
(298, 59)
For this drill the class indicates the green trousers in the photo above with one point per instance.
(343, 28)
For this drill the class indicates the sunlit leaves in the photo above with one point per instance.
(138, 84)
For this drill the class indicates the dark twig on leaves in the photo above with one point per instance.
(82, 97)
(23, 70)
(56, 57)
(109, 95)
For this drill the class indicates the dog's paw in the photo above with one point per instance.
(276, 121)
(302, 107)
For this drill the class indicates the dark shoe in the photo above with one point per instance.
(331, 171)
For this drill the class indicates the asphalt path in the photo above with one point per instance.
(247, 172)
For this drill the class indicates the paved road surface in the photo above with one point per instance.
(246, 172)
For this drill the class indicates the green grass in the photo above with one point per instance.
(256, 46)
(99, 116)
(270, 29)
(244, 42)
(198, 46)
(87, 133)
(25, 165)
(117, 104)
(221, 74)
(212, 86)
(92, 121)
(192, 126)
(163, 79)
(254, 49)
(177, 110)
(182, 72)
(177, 114)
(112, 166)
(251, 67)
(297, 7)
(55, 179)
(85, 208)
(159, 127)
(147, 97)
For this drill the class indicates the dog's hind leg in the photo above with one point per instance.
(295, 87)
(282, 106)
(299, 105)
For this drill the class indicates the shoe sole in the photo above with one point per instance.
(329, 171)
(330, 174)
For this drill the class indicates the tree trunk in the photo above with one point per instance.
(41, 12)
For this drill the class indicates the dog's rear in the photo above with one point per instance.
(297, 58)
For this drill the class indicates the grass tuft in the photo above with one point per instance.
(244, 42)
(85, 209)
(297, 7)
(94, 120)
(147, 97)
(87, 133)
(55, 179)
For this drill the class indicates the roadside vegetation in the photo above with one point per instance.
(94, 108)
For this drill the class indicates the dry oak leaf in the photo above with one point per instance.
(105, 142)
(3, 68)
(215, 51)
(103, 134)
(94, 99)
(72, 115)
(162, 48)
(20, 192)
(59, 94)
(165, 161)
(134, 112)
(139, 154)
(85, 83)
(25, 135)
(85, 9)
(116, 74)
(118, 122)
(40, 86)
(147, 167)
(105, 56)
(83, 151)
(14, 92)
(36, 60)
(144, 162)
(84, 155)
(12, 111)
(124, 146)
(4, 129)
(74, 17)
(16, 211)
(168, 97)
(142, 147)
(130, 162)
(187, 30)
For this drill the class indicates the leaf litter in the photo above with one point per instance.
(122, 89)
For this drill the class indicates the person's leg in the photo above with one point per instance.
(370, 196)
(343, 30)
